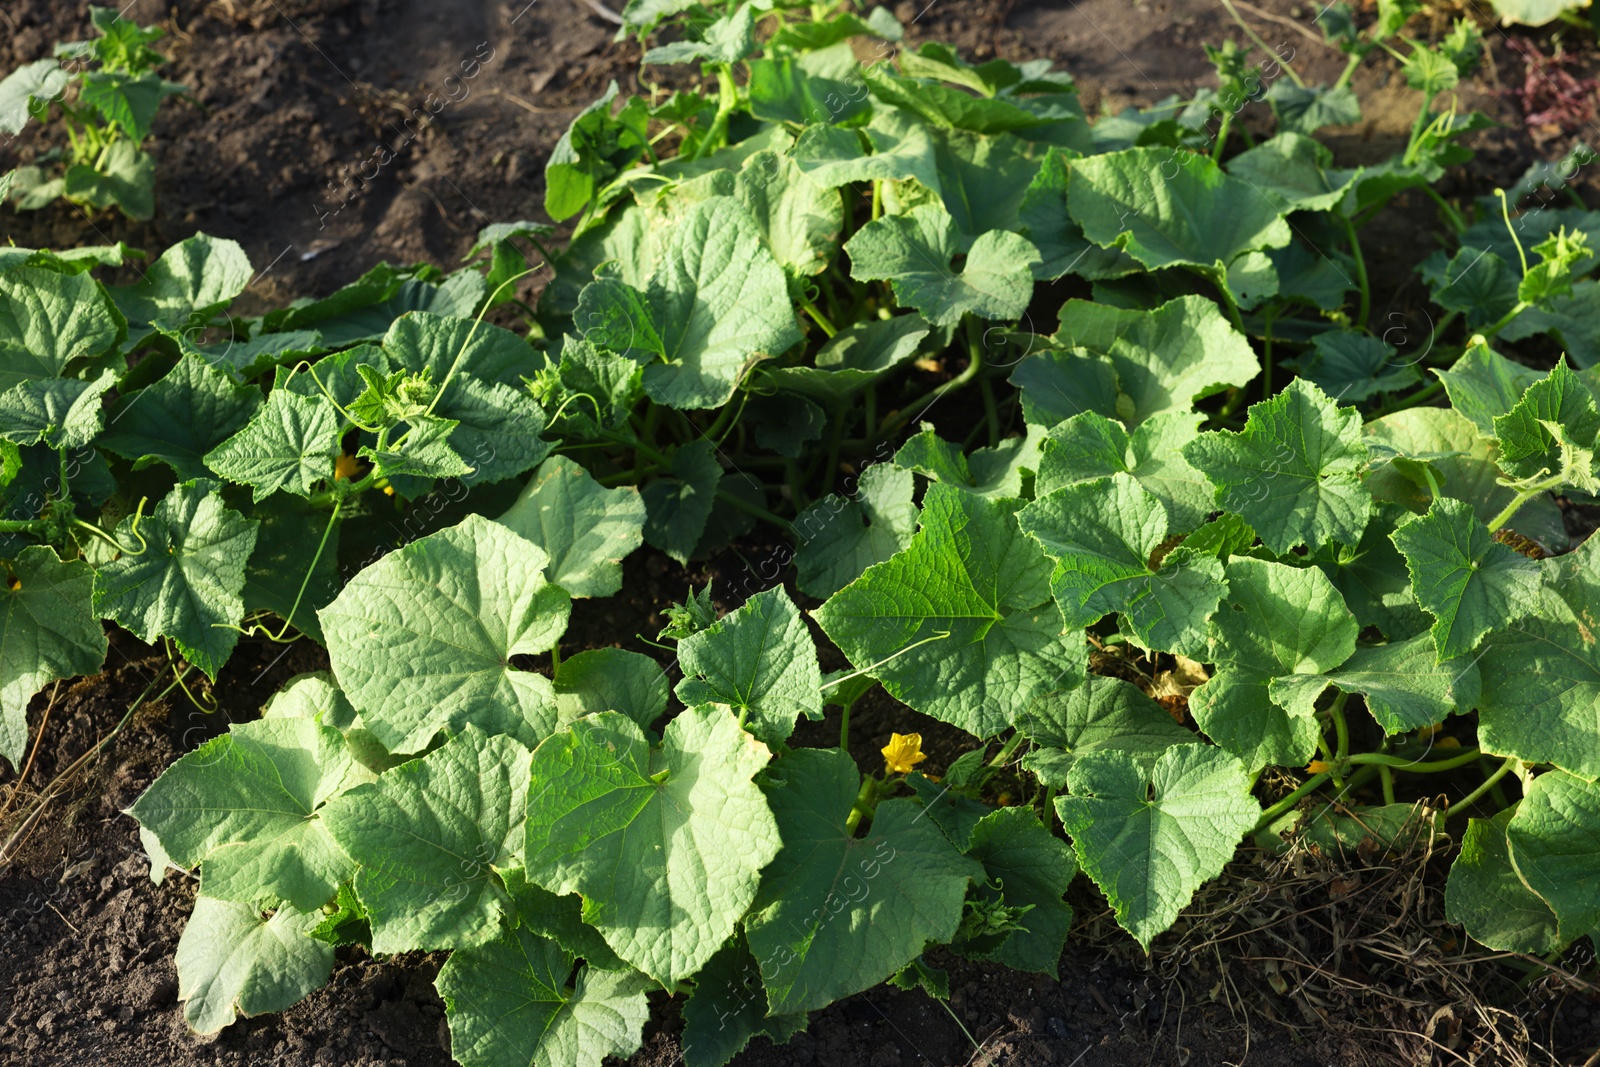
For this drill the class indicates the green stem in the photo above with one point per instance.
(818, 317)
(555, 657)
(1272, 814)
(1229, 305)
(735, 501)
(1489, 783)
(932, 396)
(1341, 728)
(1382, 759)
(1364, 308)
(1222, 133)
(1452, 216)
(305, 582)
(1386, 776)
(1505, 320)
(1266, 357)
(727, 99)
(844, 728)
(1349, 71)
(1520, 499)
(991, 414)
(866, 803)
(1004, 755)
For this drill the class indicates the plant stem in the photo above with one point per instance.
(1489, 783)
(1520, 499)
(991, 414)
(818, 317)
(866, 803)
(1386, 776)
(1341, 728)
(1364, 308)
(1007, 750)
(1451, 215)
(932, 396)
(1350, 66)
(1271, 815)
(1382, 759)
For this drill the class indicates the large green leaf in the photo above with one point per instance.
(234, 961)
(1470, 584)
(43, 79)
(666, 845)
(800, 219)
(1278, 629)
(192, 281)
(1485, 895)
(1046, 222)
(1552, 844)
(758, 660)
(48, 319)
(180, 418)
(838, 913)
(47, 631)
(186, 583)
(64, 413)
(729, 1006)
(249, 807)
(1405, 685)
(913, 252)
(1169, 209)
(1149, 839)
(1089, 446)
(1102, 536)
(1483, 385)
(716, 303)
(972, 575)
(677, 507)
(1294, 473)
(855, 357)
(1103, 714)
(514, 1000)
(585, 528)
(422, 640)
(1293, 172)
(1553, 428)
(1541, 674)
(290, 444)
(450, 348)
(611, 679)
(1161, 360)
(426, 836)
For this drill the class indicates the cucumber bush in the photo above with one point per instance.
(1368, 571)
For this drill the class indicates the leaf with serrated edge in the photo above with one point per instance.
(64, 413)
(426, 835)
(972, 573)
(249, 807)
(1025, 865)
(585, 528)
(232, 961)
(839, 537)
(1275, 633)
(667, 867)
(758, 660)
(509, 1002)
(47, 632)
(611, 679)
(839, 913)
(422, 640)
(1101, 535)
(46, 320)
(1150, 840)
(1405, 686)
(1469, 583)
(290, 445)
(1294, 473)
(1102, 713)
(728, 1007)
(180, 418)
(186, 584)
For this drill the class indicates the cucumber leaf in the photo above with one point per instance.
(290, 444)
(1485, 895)
(234, 961)
(585, 529)
(180, 418)
(840, 537)
(1551, 839)
(1103, 714)
(1406, 686)
(611, 679)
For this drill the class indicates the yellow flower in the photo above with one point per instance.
(903, 752)
(1318, 766)
(345, 467)
(388, 490)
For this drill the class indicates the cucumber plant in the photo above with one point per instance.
(1011, 380)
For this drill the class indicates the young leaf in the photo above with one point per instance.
(234, 961)
(186, 583)
(425, 836)
(913, 251)
(249, 807)
(1277, 630)
(47, 320)
(1090, 446)
(1025, 866)
(497, 429)
(64, 413)
(760, 661)
(1485, 895)
(839, 913)
(1352, 367)
(1149, 840)
(1103, 714)
(585, 529)
(1405, 685)
(611, 679)
(1541, 674)
(1530, 445)
(665, 845)
(972, 575)
(1294, 473)
(422, 640)
(727, 40)
(590, 153)
(855, 357)
(677, 507)
(180, 418)
(1470, 584)
(447, 348)
(1294, 172)
(1167, 209)
(43, 79)
(1483, 385)
(839, 537)
(1551, 839)
(290, 444)
(47, 632)
(1102, 536)
(992, 472)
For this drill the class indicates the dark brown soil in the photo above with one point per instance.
(293, 97)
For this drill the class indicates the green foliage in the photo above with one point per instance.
(107, 120)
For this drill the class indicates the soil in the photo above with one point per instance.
(292, 97)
